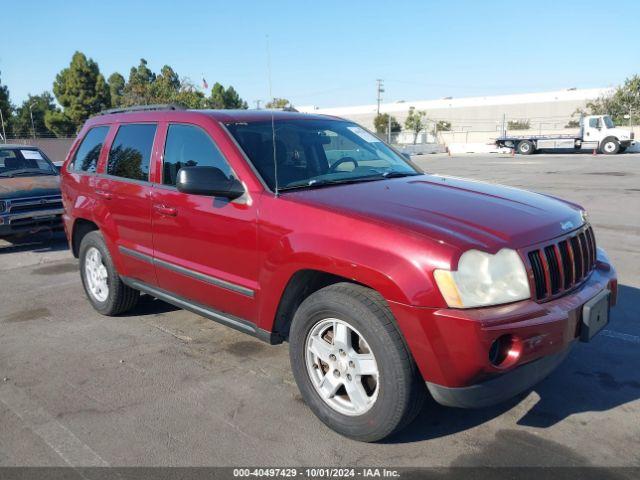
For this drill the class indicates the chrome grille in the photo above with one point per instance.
(558, 267)
(21, 205)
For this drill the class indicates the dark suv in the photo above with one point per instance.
(309, 229)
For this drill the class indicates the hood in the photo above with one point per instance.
(454, 211)
(620, 133)
(35, 186)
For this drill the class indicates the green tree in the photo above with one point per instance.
(443, 126)
(224, 99)
(58, 123)
(189, 96)
(6, 108)
(81, 89)
(138, 90)
(518, 125)
(624, 100)
(381, 124)
(216, 99)
(116, 88)
(278, 103)
(572, 124)
(233, 100)
(165, 87)
(36, 107)
(415, 122)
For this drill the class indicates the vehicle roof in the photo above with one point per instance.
(223, 116)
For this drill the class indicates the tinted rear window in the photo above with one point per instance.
(86, 159)
(131, 151)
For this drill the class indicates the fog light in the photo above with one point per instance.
(505, 351)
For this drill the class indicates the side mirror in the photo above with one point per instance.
(406, 155)
(208, 181)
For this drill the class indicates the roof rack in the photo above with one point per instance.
(143, 108)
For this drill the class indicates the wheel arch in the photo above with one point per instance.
(302, 284)
(81, 227)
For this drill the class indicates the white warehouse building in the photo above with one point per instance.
(479, 119)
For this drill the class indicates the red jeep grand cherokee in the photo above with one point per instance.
(309, 229)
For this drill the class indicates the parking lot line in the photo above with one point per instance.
(621, 336)
(59, 438)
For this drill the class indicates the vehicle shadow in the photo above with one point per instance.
(148, 305)
(596, 377)
(41, 242)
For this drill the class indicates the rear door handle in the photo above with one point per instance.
(103, 194)
(167, 211)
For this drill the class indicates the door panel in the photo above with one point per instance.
(124, 194)
(205, 248)
(127, 212)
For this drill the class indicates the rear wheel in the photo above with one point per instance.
(351, 364)
(610, 146)
(101, 282)
(525, 147)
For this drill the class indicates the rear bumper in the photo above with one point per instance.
(500, 388)
(451, 346)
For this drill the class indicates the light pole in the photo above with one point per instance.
(33, 128)
(380, 90)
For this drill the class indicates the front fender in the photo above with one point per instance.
(385, 267)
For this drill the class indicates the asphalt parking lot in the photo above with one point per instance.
(165, 387)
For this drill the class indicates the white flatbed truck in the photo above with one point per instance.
(597, 132)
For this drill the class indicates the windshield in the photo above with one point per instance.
(608, 122)
(311, 153)
(24, 162)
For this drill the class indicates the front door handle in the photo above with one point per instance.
(103, 194)
(164, 210)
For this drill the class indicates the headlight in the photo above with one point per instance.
(483, 279)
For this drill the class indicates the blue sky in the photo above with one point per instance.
(327, 52)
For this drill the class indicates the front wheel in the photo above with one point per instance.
(351, 364)
(610, 146)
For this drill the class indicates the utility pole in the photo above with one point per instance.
(380, 91)
(4, 134)
(258, 104)
(33, 128)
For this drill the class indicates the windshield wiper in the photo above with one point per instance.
(316, 183)
(399, 174)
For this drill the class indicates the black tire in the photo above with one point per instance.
(401, 390)
(525, 147)
(622, 149)
(610, 146)
(120, 298)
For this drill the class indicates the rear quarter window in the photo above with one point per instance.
(86, 157)
(130, 153)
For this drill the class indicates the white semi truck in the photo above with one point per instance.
(597, 132)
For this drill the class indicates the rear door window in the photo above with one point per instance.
(130, 153)
(86, 158)
(190, 146)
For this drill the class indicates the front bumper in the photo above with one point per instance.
(451, 346)
(500, 388)
(25, 222)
